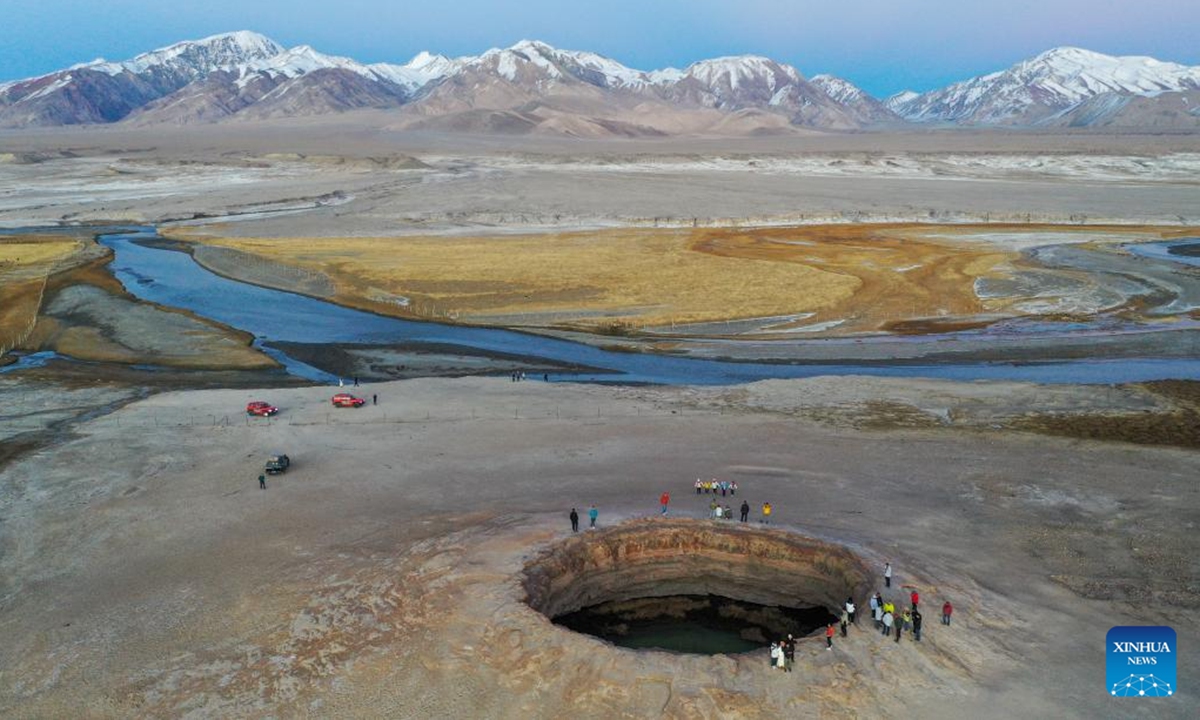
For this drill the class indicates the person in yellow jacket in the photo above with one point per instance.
(767, 513)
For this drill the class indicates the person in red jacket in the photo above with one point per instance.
(829, 637)
(947, 611)
(664, 501)
(915, 599)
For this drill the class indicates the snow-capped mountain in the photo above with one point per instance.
(532, 83)
(102, 91)
(298, 81)
(1037, 89)
(195, 58)
(534, 87)
(246, 75)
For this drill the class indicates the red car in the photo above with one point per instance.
(260, 408)
(347, 400)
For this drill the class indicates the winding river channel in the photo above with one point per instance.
(174, 279)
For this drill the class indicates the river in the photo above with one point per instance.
(174, 279)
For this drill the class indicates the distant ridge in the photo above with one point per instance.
(532, 87)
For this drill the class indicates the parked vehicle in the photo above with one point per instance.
(261, 408)
(278, 464)
(347, 400)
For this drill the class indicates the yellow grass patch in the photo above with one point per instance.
(24, 257)
(25, 264)
(861, 277)
(639, 277)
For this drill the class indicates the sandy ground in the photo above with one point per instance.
(379, 575)
(336, 175)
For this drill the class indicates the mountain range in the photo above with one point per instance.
(532, 87)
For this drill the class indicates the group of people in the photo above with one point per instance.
(714, 486)
(783, 653)
(888, 620)
(719, 512)
(716, 510)
(894, 623)
(593, 514)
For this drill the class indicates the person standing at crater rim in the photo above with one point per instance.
(887, 574)
(745, 510)
(947, 611)
(766, 518)
(593, 513)
(574, 520)
(664, 500)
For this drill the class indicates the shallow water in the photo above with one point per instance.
(32, 360)
(1169, 250)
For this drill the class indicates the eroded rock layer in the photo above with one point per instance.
(686, 557)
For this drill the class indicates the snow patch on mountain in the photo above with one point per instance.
(742, 69)
(841, 90)
(197, 57)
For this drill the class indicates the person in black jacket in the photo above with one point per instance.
(574, 521)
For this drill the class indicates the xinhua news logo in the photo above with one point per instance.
(1141, 661)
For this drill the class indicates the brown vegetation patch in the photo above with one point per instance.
(27, 263)
(110, 326)
(1179, 427)
(897, 277)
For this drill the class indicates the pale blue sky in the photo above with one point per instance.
(882, 45)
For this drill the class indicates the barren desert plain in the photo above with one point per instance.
(970, 354)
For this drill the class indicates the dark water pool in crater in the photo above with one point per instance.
(696, 624)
